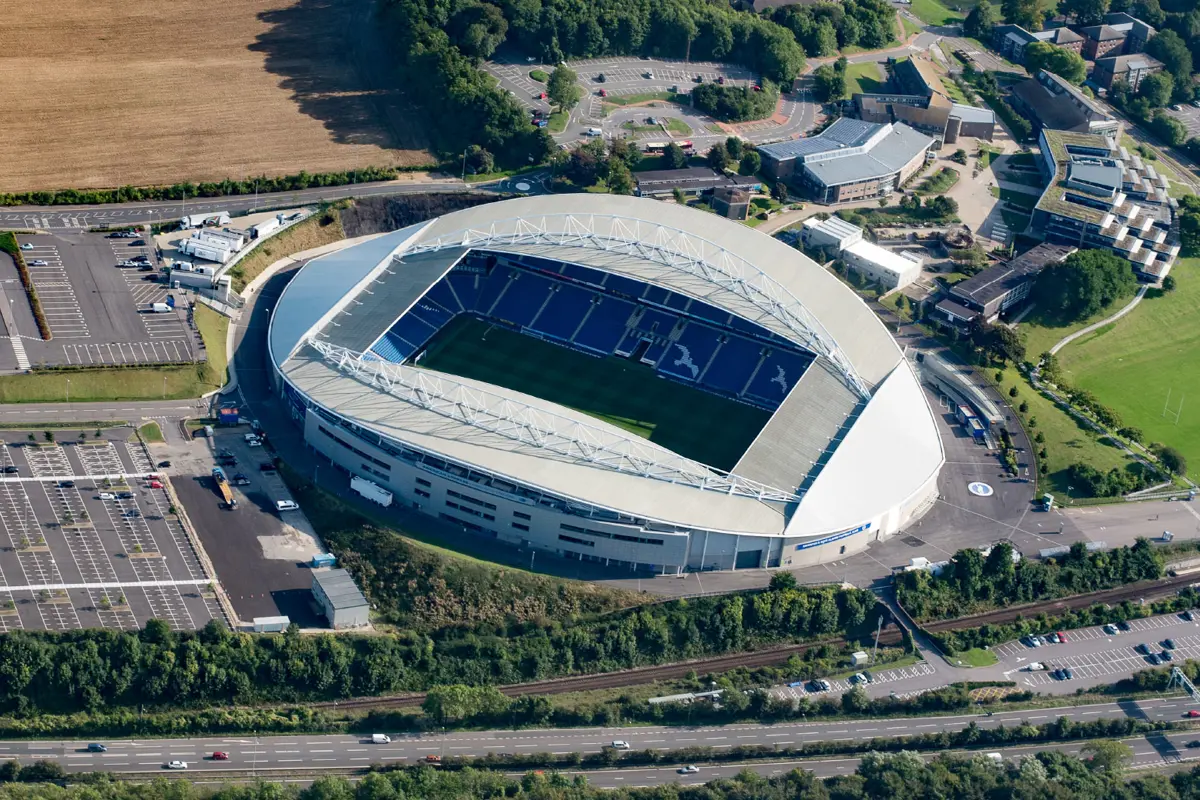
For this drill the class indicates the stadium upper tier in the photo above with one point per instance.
(850, 444)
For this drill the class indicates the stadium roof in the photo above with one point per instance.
(573, 454)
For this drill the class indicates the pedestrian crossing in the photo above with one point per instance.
(19, 352)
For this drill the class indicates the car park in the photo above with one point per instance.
(176, 765)
(220, 755)
(95, 747)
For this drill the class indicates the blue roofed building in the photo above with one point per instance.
(850, 160)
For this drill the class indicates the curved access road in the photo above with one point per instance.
(338, 751)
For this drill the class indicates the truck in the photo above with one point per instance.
(371, 490)
(222, 482)
(1047, 502)
(205, 250)
(204, 220)
(159, 308)
(266, 226)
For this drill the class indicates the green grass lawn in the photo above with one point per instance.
(685, 420)
(939, 182)
(865, 76)
(956, 94)
(910, 28)
(1067, 441)
(678, 127)
(934, 13)
(975, 657)
(213, 328)
(1132, 364)
(150, 432)
(558, 121)
(538, 75)
(643, 97)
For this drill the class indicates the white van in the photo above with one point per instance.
(286, 505)
(380, 738)
(107, 496)
(593, 132)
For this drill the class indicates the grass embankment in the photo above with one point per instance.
(320, 229)
(909, 27)
(864, 77)
(1134, 363)
(128, 383)
(975, 657)
(557, 122)
(151, 433)
(422, 586)
(538, 75)
(934, 13)
(644, 97)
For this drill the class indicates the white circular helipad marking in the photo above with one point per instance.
(980, 489)
(523, 187)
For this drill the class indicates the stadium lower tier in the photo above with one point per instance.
(604, 314)
(474, 502)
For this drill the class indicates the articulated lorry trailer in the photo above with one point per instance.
(371, 490)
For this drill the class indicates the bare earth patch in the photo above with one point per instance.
(107, 93)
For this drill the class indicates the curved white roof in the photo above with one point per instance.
(695, 253)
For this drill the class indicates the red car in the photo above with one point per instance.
(156, 484)
(757, 88)
(220, 755)
(540, 96)
(1062, 637)
(603, 92)
(1192, 714)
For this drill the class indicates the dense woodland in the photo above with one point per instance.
(102, 670)
(901, 776)
(440, 44)
(973, 583)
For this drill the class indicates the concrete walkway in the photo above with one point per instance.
(1066, 340)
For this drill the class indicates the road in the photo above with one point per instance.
(347, 751)
(58, 217)
(124, 410)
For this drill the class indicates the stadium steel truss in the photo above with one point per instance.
(539, 428)
(668, 247)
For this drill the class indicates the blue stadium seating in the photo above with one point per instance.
(592, 276)
(521, 302)
(656, 351)
(444, 297)
(687, 357)
(392, 348)
(656, 295)
(430, 313)
(777, 376)
(562, 315)
(490, 289)
(677, 301)
(623, 286)
(657, 322)
(605, 326)
(709, 312)
(734, 363)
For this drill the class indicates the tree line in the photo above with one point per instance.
(1049, 775)
(973, 583)
(736, 103)
(823, 29)
(105, 670)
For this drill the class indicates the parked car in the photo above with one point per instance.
(603, 93)
(11, 470)
(1062, 637)
(1111, 629)
(600, 78)
(1193, 744)
(1143, 648)
(1165, 655)
(267, 467)
(1169, 644)
(1067, 674)
(125, 496)
(155, 484)
(240, 480)
(107, 496)
(1189, 615)
(27, 246)
(1154, 659)
(37, 262)
(164, 465)
(287, 505)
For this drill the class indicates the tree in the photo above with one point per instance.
(679, 196)
(1059, 60)
(1013, 392)
(1026, 13)
(1086, 12)
(1106, 755)
(478, 29)
(1167, 128)
(1169, 48)
(979, 23)
(674, 157)
(717, 157)
(779, 191)
(562, 88)
(1082, 284)
(751, 162)
(830, 83)
(1149, 11)
(1173, 460)
(733, 146)
(781, 581)
(620, 181)
(1156, 89)
(478, 160)
(1168, 283)
(48, 435)
(826, 40)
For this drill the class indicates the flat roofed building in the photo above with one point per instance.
(833, 233)
(892, 270)
(1048, 101)
(340, 598)
(1099, 196)
(850, 160)
(690, 181)
(1000, 287)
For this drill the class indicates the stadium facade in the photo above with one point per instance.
(846, 450)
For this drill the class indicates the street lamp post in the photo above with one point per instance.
(68, 390)
(464, 168)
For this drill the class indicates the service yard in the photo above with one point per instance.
(99, 313)
(141, 93)
(87, 540)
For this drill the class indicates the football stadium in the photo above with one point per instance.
(615, 380)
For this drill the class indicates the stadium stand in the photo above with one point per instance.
(603, 314)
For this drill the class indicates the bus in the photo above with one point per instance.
(658, 148)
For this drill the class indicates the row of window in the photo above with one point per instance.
(564, 538)
(468, 510)
(471, 500)
(421, 493)
(621, 537)
(471, 526)
(354, 449)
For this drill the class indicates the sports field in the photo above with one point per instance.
(1152, 353)
(692, 423)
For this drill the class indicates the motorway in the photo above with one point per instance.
(248, 753)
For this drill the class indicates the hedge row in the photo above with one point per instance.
(8, 243)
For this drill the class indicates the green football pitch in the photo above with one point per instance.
(696, 425)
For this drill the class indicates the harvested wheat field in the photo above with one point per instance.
(103, 93)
